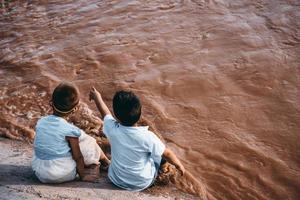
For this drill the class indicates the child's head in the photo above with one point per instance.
(65, 99)
(127, 107)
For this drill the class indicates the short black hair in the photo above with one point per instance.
(65, 97)
(127, 107)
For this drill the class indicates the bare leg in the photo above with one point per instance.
(105, 162)
(104, 145)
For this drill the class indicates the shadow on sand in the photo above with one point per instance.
(23, 175)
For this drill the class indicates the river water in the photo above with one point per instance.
(219, 80)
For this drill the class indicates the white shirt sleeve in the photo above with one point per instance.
(156, 147)
(109, 123)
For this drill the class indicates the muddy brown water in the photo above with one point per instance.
(219, 80)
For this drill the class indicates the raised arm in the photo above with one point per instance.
(172, 158)
(102, 107)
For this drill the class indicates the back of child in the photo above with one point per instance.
(136, 152)
(53, 160)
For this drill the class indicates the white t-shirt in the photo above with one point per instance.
(135, 151)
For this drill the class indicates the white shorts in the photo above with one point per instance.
(89, 148)
(54, 171)
(64, 169)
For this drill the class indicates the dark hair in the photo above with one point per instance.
(65, 97)
(127, 107)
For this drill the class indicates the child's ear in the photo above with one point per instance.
(75, 109)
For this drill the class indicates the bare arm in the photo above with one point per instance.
(172, 158)
(102, 107)
(76, 154)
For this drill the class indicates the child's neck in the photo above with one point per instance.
(59, 115)
(134, 125)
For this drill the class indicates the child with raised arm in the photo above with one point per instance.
(136, 152)
(61, 150)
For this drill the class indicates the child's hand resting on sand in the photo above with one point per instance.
(91, 173)
(181, 169)
(89, 178)
(171, 158)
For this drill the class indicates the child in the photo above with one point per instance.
(61, 150)
(136, 152)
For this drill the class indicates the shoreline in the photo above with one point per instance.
(17, 181)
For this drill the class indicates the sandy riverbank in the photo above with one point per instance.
(17, 181)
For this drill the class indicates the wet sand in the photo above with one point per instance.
(219, 80)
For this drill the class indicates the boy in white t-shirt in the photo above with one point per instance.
(136, 152)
